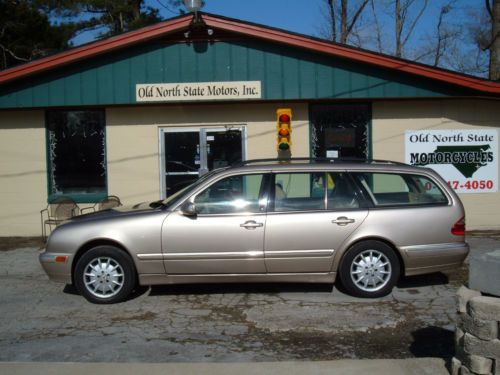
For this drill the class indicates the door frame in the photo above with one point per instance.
(202, 131)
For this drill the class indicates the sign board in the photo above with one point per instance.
(197, 91)
(466, 159)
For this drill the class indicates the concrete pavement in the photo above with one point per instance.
(421, 366)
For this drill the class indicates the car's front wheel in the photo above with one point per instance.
(105, 274)
(369, 269)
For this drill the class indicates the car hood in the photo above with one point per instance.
(118, 212)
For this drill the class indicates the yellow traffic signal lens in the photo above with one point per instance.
(284, 131)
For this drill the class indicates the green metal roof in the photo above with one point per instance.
(286, 73)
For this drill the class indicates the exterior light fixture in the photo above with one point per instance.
(197, 24)
(193, 5)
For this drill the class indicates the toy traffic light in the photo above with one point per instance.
(284, 127)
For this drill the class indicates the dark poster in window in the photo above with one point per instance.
(77, 157)
(340, 129)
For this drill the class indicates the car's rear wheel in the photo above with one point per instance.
(105, 274)
(369, 269)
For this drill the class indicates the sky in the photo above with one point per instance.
(304, 16)
(300, 16)
(308, 17)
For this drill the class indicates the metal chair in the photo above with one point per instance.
(109, 202)
(56, 212)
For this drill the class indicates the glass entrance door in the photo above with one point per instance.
(187, 154)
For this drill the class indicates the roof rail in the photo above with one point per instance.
(315, 160)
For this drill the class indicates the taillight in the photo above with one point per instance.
(458, 228)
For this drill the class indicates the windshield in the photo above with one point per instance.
(171, 200)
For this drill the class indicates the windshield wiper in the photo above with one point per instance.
(156, 204)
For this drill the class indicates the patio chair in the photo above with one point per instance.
(56, 212)
(109, 202)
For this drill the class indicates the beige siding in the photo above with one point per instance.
(392, 119)
(133, 148)
(23, 181)
(132, 136)
(133, 139)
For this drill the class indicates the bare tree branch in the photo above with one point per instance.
(415, 21)
(331, 9)
(356, 16)
(6, 50)
(377, 27)
(488, 8)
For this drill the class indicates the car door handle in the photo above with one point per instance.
(342, 220)
(251, 225)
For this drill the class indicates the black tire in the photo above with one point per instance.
(369, 269)
(104, 275)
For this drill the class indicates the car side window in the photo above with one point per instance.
(299, 192)
(340, 192)
(234, 194)
(391, 189)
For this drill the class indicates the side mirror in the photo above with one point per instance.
(188, 209)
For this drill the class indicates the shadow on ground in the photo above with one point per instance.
(240, 288)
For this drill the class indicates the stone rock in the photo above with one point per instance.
(459, 333)
(483, 273)
(485, 308)
(483, 329)
(455, 366)
(478, 365)
(464, 294)
(475, 346)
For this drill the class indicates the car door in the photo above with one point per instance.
(310, 216)
(225, 236)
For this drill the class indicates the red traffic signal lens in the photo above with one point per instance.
(284, 118)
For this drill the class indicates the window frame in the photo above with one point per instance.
(77, 197)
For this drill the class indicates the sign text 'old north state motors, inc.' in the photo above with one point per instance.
(198, 91)
(466, 159)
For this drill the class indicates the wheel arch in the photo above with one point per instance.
(99, 242)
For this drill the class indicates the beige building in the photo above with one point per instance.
(141, 115)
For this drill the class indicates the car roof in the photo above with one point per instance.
(321, 164)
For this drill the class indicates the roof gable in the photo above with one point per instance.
(290, 66)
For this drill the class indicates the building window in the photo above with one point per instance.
(340, 130)
(76, 155)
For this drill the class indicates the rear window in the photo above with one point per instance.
(390, 189)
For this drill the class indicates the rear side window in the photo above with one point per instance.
(299, 192)
(389, 189)
(313, 192)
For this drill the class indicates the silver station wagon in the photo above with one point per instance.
(364, 224)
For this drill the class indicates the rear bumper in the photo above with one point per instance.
(434, 257)
(55, 268)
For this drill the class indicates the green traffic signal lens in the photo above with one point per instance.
(283, 146)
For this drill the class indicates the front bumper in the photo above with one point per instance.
(57, 266)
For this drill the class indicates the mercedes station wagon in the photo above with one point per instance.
(364, 224)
